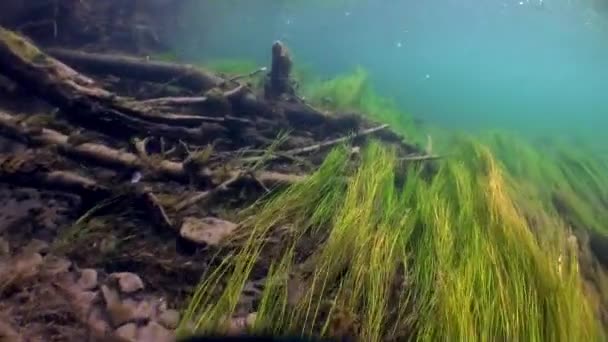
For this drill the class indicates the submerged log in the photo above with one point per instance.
(279, 78)
(293, 112)
(87, 104)
(107, 156)
(32, 170)
(187, 76)
(38, 169)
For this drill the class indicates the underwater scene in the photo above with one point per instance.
(357, 170)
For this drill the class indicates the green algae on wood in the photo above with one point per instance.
(21, 46)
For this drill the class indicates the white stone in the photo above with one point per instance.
(206, 231)
(88, 279)
(128, 282)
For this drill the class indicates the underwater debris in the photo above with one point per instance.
(341, 237)
(202, 156)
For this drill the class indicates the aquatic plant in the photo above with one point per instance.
(353, 92)
(480, 250)
(407, 260)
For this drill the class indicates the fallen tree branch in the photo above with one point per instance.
(334, 142)
(205, 195)
(296, 114)
(101, 154)
(141, 147)
(187, 76)
(152, 204)
(27, 170)
(192, 100)
(85, 103)
(251, 74)
(411, 158)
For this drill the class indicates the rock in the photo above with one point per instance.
(37, 246)
(121, 313)
(169, 319)
(142, 311)
(128, 332)
(8, 333)
(128, 310)
(5, 248)
(154, 332)
(207, 231)
(88, 279)
(83, 301)
(128, 282)
(110, 296)
(97, 324)
(250, 320)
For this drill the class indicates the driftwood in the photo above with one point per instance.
(192, 100)
(293, 112)
(334, 142)
(205, 195)
(279, 82)
(111, 157)
(87, 104)
(181, 138)
(29, 171)
(187, 76)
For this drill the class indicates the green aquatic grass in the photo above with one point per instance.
(471, 266)
(572, 181)
(479, 251)
(497, 267)
(353, 92)
(309, 204)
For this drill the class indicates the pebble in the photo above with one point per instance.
(88, 279)
(8, 333)
(142, 311)
(169, 319)
(154, 332)
(128, 332)
(121, 313)
(250, 320)
(97, 323)
(206, 231)
(83, 301)
(128, 282)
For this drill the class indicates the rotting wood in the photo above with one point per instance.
(296, 112)
(192, 100)
(33, 169)
(334, 142)
(279, 78)
(108, 156)
(87, 104)
(188, 76)
(205, 195)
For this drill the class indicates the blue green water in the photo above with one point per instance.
(534, 66)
